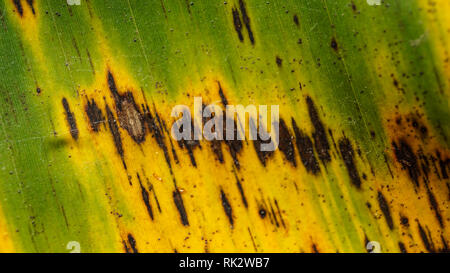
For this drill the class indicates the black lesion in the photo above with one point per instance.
(384, 206)
(156, 128)
(226, 206)
(427, 241)
(189, 144)
(132, 243)
(114, 128)
(286, 143)
(94, 114)
(278, 61)
(241, 191)
(258, 143)
(19, 7)
(347, 152)
(145, 197)
(296, 21)
(262, 213)
(407, 158)
(320, 137)
(31, 4)
(70, 117)
(246, 20)
(178, 200)
(237, 23)
(305, 148)
(334, 44)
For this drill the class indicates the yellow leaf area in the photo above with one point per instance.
(163, 197)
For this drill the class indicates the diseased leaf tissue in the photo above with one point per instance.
(87, 156)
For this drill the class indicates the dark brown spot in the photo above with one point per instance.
(241, 191)
(443, 164)
(445, 248)
(19, 8)
(421, 129)
(132, 243)
(154, 126)
(145, 197)
(406, 157)
(402, 247)
(237, 23)
(319, 135)
(424, 131)
(226, 207)
(384, 206)
(152, 189)
(286, 145)
(216, 145)
(70, 117)
(235, 145)
(114, 131)
(217, 149)
(274, 215)
(257, 144)
(128, 114)
(222, 96)
(190, 144)
(246, 20)
(180, 207)
(296, 20)
(90, 61)
(334, 44)
(404, 221)
(278, 61)
(306, 150)
(279, 213)
(131, 119)
(354, 8)
(435, 207)
(262, 213)
(125, 246)
(426, 242)
(347, 152)
(94, 114)
(366, 241)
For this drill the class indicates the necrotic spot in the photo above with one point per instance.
(319, 135)
(347, 153)
(306, 150)
(237, 23)
(94, 114)
(18, 6)
(384, 206)
(227, 207)
(286, 145)
(70, 117)
(180, 207)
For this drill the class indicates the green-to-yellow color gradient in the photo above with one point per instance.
(370, 81)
